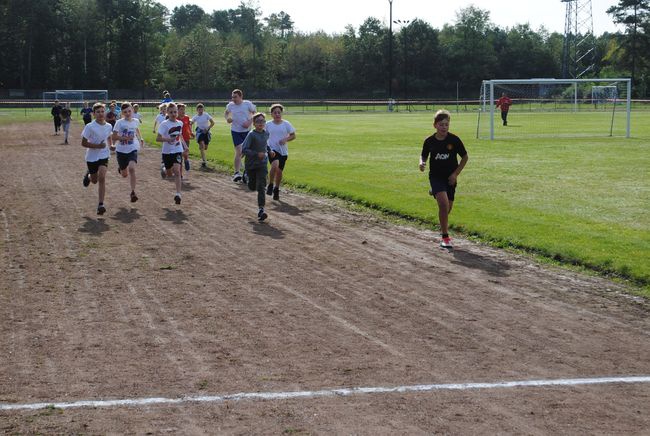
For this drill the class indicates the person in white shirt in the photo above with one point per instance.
(136, 114)
(127, 138)
(280, 132)
(96, 138)
(170, 134)
(204, 123)
(162, 115)
(239, 114)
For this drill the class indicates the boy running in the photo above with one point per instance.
(204, 123)
(238, 114)
(66, 118)
(86, 113)
(136, 114)
(255, 148)
(169, 133)
(187, 134)
(127, 133)
(56, 116)
(280, 132)
(95, 137)
(111, 115)
(162, 116)
(443, 147)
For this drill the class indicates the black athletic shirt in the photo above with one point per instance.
(56, 110)
(444, 155)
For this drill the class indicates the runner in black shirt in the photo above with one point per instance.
(56, 113)
(444, 149)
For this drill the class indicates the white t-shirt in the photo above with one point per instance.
(127, 128)
(202, 121)
(97, 133)
(240, 113)
(172, 129)
(137, 116)
(278, 132)
(159, 119)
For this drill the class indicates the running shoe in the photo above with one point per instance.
(101, 209)
(134, 197)
(261, 215)
(86, 180)
(446, 243)
(269, 189)
(177, 199)
(163, 171)
(276, 194)
(237, 177)
(187, 164)
(204, 165)
(244, 178)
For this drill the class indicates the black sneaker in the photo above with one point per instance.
(177, 199)
(276, 194)
(187, 164)
(269, 189)
(134, 197)
(204, 165)
(86, 180)
(261, 215)
(101, 209)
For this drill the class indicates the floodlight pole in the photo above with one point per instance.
(390, 52)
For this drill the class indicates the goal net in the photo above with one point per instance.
(76, 97)
(555, 108)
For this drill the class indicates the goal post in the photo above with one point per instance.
(556, 108)
(75, 97)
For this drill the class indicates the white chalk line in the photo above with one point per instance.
(342, 392)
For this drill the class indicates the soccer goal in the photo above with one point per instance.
(76, 97)
(555, 108)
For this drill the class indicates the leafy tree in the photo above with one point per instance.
(280, 24)
(184, 18)
(635, 16)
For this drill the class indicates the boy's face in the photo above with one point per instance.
(162, 110)
(135, 109)
(236, 98)
(199, 110)
(100, 114)
(277, 114)
(259, 123)
(172, 113)
(127, 112)
(442, 126)
(181, 111)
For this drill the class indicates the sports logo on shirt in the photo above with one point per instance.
(442, 156)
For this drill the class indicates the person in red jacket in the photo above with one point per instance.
(504, 102)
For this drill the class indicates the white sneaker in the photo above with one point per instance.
(237, 177)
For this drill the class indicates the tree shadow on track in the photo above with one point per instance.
(126, 216)
(476, 261)
(175, 216)
(287, 208)
(94, 226)
(266, 229)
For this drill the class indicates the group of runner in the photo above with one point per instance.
(119, 130)
(264, 143)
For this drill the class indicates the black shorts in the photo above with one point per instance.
(204, 137)
(172, 158)
(279, 157)
(87, 120)
(123, 159)
(438, 185)
(93, 167)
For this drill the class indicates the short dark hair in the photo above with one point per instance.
(238, 92)
(125, 105)
(442, 114)
(257, 115)
(98, 105)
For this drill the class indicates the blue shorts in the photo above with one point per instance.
(438, 185)
(123, 159)
(238, 137)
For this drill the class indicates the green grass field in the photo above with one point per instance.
(581, 201)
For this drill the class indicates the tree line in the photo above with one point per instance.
(142, 46)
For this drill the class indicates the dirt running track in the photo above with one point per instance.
(159, 300)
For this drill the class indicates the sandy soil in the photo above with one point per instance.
(159, 300)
